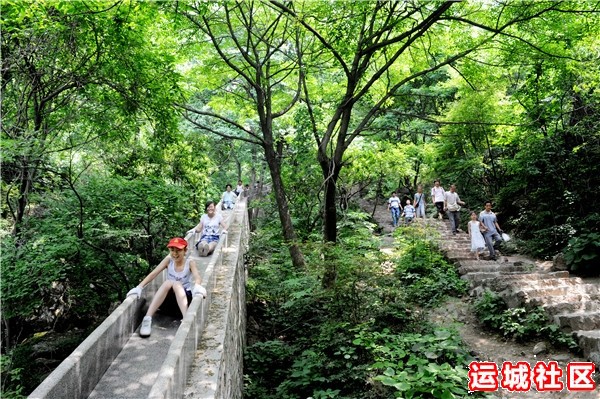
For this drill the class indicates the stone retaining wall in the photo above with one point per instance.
(218, 368)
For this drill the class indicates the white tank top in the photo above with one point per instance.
(182, 276)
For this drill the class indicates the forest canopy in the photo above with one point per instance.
(121, 118)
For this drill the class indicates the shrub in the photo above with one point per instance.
(427, 275)
(583, 254)
(521, 324)
(309, 334)
(416, 365)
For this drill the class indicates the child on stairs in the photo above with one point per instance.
(475, 229)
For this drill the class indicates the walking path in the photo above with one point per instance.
(571, 302)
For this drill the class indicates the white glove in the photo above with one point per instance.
(137, 291)
(199, 290)
(224, 232)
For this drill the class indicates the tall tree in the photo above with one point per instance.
(255, 48)
(73, 73)
(373, 49)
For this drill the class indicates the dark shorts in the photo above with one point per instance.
(170, 306)
(440, 207)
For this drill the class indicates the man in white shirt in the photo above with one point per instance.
(437, 197)
(395, 208)
(228, 198)
(452, 205)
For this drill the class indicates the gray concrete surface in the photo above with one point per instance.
(218, 367)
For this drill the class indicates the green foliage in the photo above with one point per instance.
(522, 324)
(548, 210)
(86, 250)
(311, 342)
(378, 165)
(12, 376)
(355, 230)
(526, 133)
(489, 308)
(268, 362)
(97, 170)
(82, 250)
(418, 365)
(583, 253)
(21, 374)
(428, 277)
(77, 75)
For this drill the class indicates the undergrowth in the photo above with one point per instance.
(366, 337)
(521, 324)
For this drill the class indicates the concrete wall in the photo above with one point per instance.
(79, 373)
(210, 338)
(218, 368)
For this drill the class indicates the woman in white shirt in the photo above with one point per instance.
(209, 228)
(240, 188)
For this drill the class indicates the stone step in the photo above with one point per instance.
(589, 342)
(491, 266)
(548, 296)
(458, 257)
(536, 276)
(582, 321)
(479, 276)
(487, 278)
(571, 303)
(463, 248)
(474, 262)
(456, 243)
(568, 287)
(535, 281)
(456, 247)
(455, 238)
(577, 306)
(521, 298)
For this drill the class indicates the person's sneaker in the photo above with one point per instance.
(146, 328)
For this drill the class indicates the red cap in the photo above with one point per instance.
(177, 243)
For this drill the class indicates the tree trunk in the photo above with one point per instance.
(330, 176)
(289, 233)
(28, 171)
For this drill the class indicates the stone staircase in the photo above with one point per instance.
(572, 303)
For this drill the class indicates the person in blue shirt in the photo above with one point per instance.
(394, 207)
(493, 232)
(409, 212)
(420, 202)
